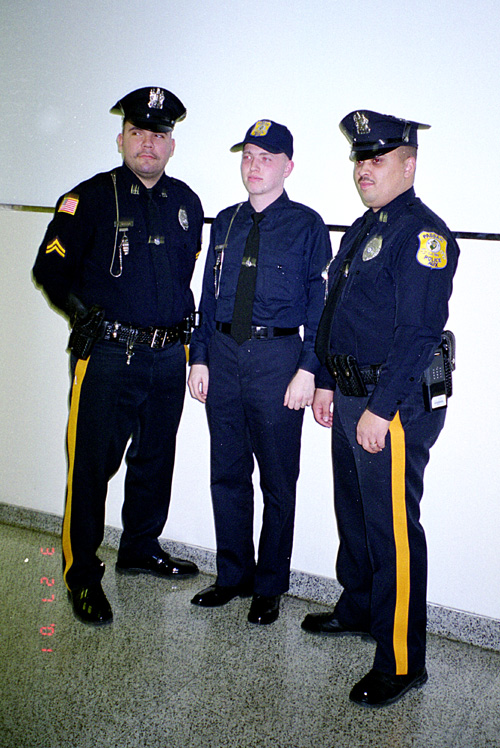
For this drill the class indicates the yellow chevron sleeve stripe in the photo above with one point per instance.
(55, 246)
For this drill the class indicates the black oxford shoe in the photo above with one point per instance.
(380, 689)
(327, 623)
(214, 596)
(91, 605)
(159, 564)
(264, 610)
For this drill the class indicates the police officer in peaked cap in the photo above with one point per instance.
(381, 329)
(117, 259)
(154, 109)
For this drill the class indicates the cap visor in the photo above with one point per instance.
(145, 124)
(256, 141)
(368, 152)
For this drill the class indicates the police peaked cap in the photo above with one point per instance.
(151, 108)
(371, 134)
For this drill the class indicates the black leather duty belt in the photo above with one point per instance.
(260, 332)
(153, 337)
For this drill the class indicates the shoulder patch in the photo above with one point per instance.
(432, 250)
(69, 204)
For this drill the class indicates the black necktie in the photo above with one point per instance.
(162, 302)
(322, 346)
(153, 220)
(241, 326)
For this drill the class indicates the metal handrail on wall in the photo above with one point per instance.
(482, 236)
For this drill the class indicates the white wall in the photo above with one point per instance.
(64, 64)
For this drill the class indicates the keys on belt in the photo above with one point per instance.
(260, 332)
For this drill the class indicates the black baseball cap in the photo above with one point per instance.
(270, 136)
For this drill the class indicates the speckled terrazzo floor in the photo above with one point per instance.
(168, 675)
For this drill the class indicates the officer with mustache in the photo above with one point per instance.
(117, 259)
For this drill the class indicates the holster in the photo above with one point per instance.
(345, 370)
(86, 331)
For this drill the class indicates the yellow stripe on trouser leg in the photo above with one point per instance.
(81, 368)
(400, 634)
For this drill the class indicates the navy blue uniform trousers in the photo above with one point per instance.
(246, 417)
(111, 403)
(382, 558)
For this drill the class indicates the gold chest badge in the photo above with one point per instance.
(432, 250)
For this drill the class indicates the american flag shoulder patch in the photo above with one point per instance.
(55, 246)
(69, 204)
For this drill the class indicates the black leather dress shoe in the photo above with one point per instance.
(159, 564)
(91, 605)
(327, 623)
(380, 689)
(264, 610)
(214, 596)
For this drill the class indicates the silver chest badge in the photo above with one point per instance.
(372, 248)
(183, 218)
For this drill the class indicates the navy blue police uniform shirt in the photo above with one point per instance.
(394, 304)
(147, 285)
(293, 251)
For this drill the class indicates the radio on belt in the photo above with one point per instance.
(436, 379)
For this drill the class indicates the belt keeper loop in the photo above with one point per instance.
(153, 339)
(165, 337)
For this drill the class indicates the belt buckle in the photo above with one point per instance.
(160, 332)
(260, 331)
